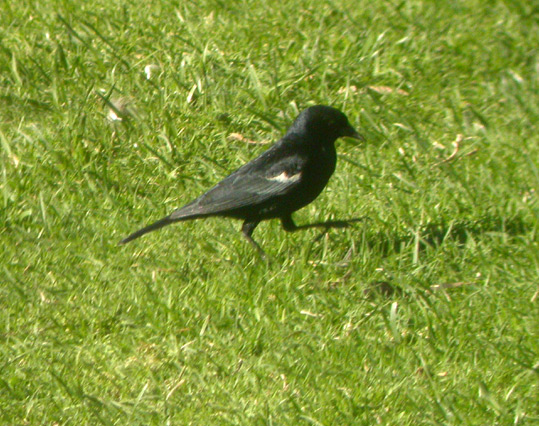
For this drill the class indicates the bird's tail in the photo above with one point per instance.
(154, 226)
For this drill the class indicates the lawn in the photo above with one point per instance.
(424, 312)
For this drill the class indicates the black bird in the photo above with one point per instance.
(285, 178)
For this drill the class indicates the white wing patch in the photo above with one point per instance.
(285, 178)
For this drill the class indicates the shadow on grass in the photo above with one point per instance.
(435, 234)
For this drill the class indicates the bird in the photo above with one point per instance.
(283, 179)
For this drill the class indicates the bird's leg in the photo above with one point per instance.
(288, 223)
(290, 226)
(247, 229)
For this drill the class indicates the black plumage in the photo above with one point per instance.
(286, 177)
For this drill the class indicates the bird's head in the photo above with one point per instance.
(323, 123)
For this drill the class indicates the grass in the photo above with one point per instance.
(423, 313)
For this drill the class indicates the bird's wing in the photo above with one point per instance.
(252, 184)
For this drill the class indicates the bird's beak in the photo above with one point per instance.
(353, 133)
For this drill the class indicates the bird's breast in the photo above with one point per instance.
(316, 175)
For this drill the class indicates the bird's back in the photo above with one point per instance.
(281, 180)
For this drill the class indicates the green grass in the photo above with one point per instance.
(424, 313)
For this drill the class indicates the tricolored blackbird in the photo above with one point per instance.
(285, 178)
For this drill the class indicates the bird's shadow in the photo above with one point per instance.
(435, 234)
